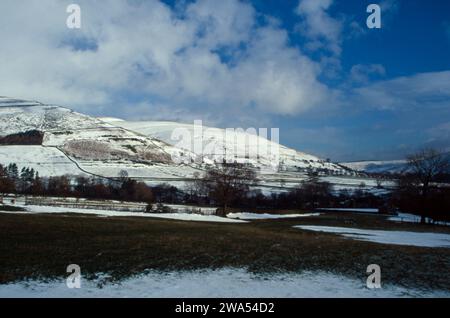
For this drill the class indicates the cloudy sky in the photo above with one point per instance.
(311, 67)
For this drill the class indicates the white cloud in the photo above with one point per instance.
(424, 91)
(321, 29)
(206, 54)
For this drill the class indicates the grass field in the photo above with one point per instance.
(41, 246)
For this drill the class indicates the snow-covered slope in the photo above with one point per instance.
(247, 148)
(21, 116)
(390, 166)
(81, 136)
(48, 161)
(76, 144)
(88, 145)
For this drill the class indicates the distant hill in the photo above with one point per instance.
(389, 166)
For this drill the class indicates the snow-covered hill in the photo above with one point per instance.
(75, 143)
(390, 166)
(78, 144)
(81, 136)
(246, 147)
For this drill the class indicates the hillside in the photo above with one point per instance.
(214, 145)
(77, 144)
(389, 166)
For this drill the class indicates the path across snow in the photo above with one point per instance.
(223, 283)
(386, 237)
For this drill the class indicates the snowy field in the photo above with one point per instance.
(265, 216)
(386, 237)
(232, 283)
(205, 217)
(106, 213)
(48, 161)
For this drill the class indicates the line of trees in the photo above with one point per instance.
(24, 181)
(28, 182)
(231, 185)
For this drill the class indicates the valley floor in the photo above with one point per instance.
(148, 257)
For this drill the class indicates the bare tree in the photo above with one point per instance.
(197, 189)
(423, 168)
(312, 192)
(379, 180)
(228, 183)
(123, 175)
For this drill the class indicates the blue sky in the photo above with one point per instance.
(414, 38)
(309, 67)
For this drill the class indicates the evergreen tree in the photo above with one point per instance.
(13, 171)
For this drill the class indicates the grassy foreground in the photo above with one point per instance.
(41, 246)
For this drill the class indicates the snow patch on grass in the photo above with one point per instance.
(361, 210)
(107, 213)
(223, 283)
(265, 216)
(386, 237)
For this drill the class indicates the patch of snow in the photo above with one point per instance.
(264, 216)
(234, 283)
(349, 210)
(172, 216)
(110, 119)
(421, 239)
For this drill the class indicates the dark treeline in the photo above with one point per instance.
(230, 186)
(32, 137)
(28, 182)
(233, 189)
